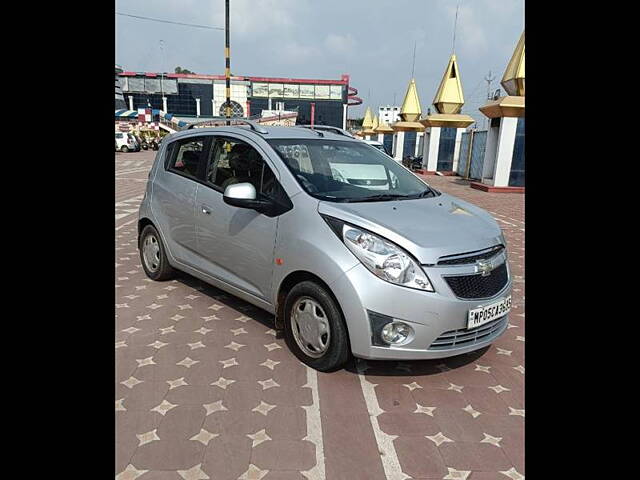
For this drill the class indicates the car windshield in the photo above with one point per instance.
(348, 171)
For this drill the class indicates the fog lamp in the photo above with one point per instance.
(396, 333)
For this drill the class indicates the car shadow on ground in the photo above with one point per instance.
(412, 368)
(227, 299)
(355, 365)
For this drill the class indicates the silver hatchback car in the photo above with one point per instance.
(352, 252)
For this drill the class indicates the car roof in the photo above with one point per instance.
(273, 132)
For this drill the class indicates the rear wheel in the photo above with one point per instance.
(314, 328)
(124, 149)
(153, 255)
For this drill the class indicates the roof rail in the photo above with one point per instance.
(328, 128)
(254, 126)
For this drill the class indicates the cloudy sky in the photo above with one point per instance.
(371, 40)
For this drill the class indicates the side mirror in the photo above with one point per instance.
(243, 195)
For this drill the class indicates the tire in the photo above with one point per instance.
(124, 149)
(156, 266)
(306, 297)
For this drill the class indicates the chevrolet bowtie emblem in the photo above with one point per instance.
(484, 267)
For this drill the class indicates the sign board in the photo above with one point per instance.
(291, 90)
(276, 90)
(152, 85)
(169, 86)
(294, 90)
(135, 84)
(260, 89)
(322, 92)
(307, 91)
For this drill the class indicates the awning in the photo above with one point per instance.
(127, 113)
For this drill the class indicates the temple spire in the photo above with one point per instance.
(367, 123)
(411, 110)
(513, 78)
(449, 97)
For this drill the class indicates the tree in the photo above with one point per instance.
(182, 70)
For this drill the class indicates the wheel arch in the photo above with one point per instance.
(143, 222)
(288, 283)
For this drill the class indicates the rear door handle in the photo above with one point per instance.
(206, 210)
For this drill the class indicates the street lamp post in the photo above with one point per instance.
(164, 100)
(227, 58)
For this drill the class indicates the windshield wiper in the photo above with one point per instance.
(378, 198)
(427, 193)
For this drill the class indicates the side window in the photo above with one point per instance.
(118, 135)
(186, 155)
(233, 161)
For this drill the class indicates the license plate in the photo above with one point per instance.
(482, 315)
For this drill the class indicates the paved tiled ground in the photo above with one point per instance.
(205, 390)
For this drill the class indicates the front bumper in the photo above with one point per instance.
(431, 314)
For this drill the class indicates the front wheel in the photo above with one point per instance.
(124, 149)
(153, 255)
(314, 327)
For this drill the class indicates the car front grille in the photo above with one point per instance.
(477, 286)
(463, 338)
(470, 257)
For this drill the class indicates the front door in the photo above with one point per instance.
(236, 244)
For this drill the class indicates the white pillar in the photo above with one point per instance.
(456, 149)
(164, 104)
(490, 150)
(130, 102)
(504, 152)
(344, 116)
(417, 149)
(213, 108)
(398, 145)
(381, 137)
(430, 158)
(197, 107)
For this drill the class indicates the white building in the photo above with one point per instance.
(389, 114)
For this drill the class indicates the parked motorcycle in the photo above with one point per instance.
(414, 163)
(142, 142)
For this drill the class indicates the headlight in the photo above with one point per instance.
(385, 259)
(503, 239)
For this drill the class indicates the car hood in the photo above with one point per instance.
(428, 228)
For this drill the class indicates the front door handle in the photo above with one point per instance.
(206, 210)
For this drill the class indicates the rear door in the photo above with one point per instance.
(174, 195)
(236, 245)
